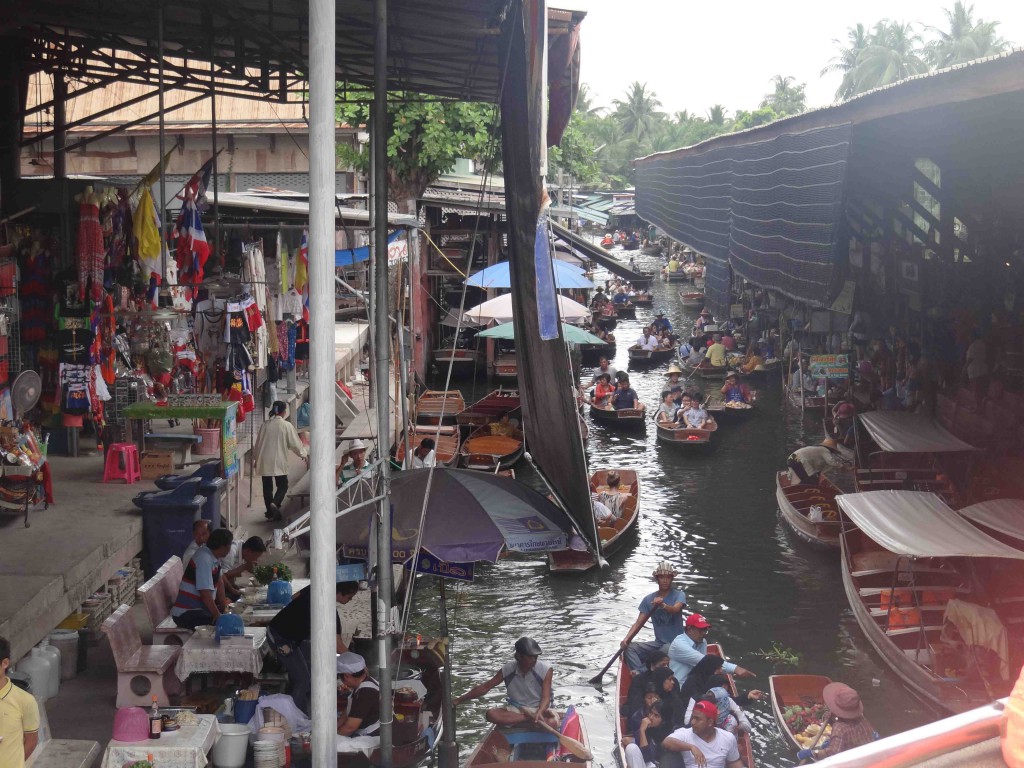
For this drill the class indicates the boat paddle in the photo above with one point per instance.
(596, 680)
(578, 748)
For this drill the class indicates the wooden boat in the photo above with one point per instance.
(625, 418)
(795, 691)
(625, 309)
(491, 407)
(447, 440)
(810, 402)
(796, 502)
(742, 739)
(638, 356)
(463, 362)
(631, 245)
(644, 299)
(489, 453)
(691, 299)
(612, 537)
(652, 249)
(728, 411)
(623, 682)
(679, 276)
(506, 366)
(523, 747)
(686, 437)
(706, 371)
(437, 406)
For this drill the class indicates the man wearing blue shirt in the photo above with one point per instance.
(691, 646)
(625, 396)
(662, 323)
(665, 610)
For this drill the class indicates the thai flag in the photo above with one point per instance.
(192, 249)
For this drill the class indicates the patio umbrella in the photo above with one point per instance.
(572, 333)
(499, 310)
(470, 516)
(497, 276)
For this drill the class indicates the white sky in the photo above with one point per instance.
(696, 54)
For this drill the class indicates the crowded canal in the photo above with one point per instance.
(714, 516)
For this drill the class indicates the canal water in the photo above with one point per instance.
(715, 518)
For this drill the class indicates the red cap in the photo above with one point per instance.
(707, 708)
(698, 621)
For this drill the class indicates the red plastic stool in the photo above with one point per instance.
(122, 463)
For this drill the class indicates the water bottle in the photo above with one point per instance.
(53, 654)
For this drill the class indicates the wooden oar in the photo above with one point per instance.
(578, 748)
(596, 680)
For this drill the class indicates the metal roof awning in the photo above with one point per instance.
(1004, 516)
(900, 432)
(916, 524)
(300, 208)
(582, 212)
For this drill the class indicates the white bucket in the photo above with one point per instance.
(232, 746)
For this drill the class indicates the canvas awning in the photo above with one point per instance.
(1004, 516)
(900, 432)
(917, 524)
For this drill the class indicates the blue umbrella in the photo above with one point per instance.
(497, 276)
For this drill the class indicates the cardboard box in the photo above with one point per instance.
(156, 463)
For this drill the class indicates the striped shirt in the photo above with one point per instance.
(202, 572)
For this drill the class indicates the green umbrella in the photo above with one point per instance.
(572, 334)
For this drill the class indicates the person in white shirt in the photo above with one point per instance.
(276, 439)
(200, 535)
(424, 456)
(702, 744)
(647, 340)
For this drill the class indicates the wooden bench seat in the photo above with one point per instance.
(875, 591)
(912, 630)
(157, 596)
(143, 671)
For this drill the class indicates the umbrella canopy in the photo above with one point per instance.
(470, 516)
(499, 310)
(497, 276)
(572, 333)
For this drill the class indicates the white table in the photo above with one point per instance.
(199, 656)
(185, 748)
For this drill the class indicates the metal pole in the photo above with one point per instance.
(382, 333)
(215, 243)
(162, 205)
(323, 558)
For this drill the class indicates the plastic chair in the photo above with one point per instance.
(122, 463)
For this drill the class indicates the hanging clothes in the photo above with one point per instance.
(89, 249)
(74, 389)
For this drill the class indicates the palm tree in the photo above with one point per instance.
(716, 115)
(857, 39)
(585, 102)
(893, 53)
(965, 39)
(638, 113)
(786, 99)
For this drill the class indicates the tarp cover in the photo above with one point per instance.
(500, 309)
(917, 524)
(901, 432)
(1005, 516)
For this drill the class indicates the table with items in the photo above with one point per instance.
(186, 747)
(201, 655)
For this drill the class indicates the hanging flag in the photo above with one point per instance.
(302, 274)
(192, 249)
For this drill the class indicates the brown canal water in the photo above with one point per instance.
(714, 516)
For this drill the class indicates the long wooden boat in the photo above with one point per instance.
(612, 537)
(625, 309)
(506, 366)
(810, 402)
(447, 440)
(796, 502)
(489, 453)
(708, 371)
(645, 299)
(491, 407)
(623, 682)
(439, 406)
(797, 691)
(686, 437)
(523, 747)
(625, 418)
(691, 299)
(742, 739)
(638, 356)
(464, 362)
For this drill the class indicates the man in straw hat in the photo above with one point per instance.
(665, 608)
(849, 726)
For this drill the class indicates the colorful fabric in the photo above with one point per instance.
(192, 249)
(146, 226)
(90, 252)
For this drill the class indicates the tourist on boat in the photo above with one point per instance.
(807, 464)
(625, 396)
(668, 409)
(424, 456)
(603, 390)
(694, 416)
(702, 744)
(733, 391)
(731, 716)
(362, 711)
(607, 241)
(664, 608)
(849, 726)
(717, 352)
(691, 646)
(647, 340)
(644, 749)
(661, 323)
(603, 367)
(674, 374)
(527, 682)
(753, 361)
(656, 659)
(602, 513)
(801, 378)
(621, 297)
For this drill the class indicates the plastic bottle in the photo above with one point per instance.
(37, 668)
(156, 723)
(52, 667)
(52, 652)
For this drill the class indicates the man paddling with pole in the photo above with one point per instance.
(665, 609)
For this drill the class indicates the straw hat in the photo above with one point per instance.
(843, 701)
(665, 568)
(674, 368)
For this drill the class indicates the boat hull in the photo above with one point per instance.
(685, 437)
(792, 690)
(506, 367)
(795, 503)
(435, 407)
(627, 418)
(612, 538)
(496, 749)
(463, 362)
(489, 408)
(447, 442)
(485, 452)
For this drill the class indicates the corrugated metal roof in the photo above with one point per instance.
(301, 208)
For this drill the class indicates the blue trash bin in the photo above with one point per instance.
(207, 471)
(167, 523)
(212, 489)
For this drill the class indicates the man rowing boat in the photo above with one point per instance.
(528, 684)
(664, 608)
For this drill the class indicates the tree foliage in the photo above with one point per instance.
(787, 98)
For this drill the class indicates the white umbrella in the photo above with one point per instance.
(500, 310)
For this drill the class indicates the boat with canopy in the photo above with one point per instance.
(1001, 519)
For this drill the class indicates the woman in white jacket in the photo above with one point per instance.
(270, 457)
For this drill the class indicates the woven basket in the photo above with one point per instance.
(210, 446)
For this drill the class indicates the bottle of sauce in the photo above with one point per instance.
(156, 723)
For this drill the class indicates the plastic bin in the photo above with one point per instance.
(205, 471)
(232, 745)
(167, 523)
(214, 489)
(66, 641)
(244, 710)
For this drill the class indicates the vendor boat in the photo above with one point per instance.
(921, 582)
(491, 407)
(624, 418)
(612, 537)
(691, 299)
(706, 371)
(607, 241)
(463, 362)
(487, 452)
(798, 503)
(446, 443)
(728, 410)
(527, 747)
(1002, 519)
(439, 406)
(686, 437)
(809, 402)
(801, 696)
(625, 309)
(645, 299)
(506, 366)
(638, 356)
(742, 739)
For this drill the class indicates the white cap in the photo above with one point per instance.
(350, 663)
(357, 445)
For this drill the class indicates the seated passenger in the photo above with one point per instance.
(733, 391)
(696, 417)
(647, 340)
(717, 352)
(603, 390)
(674, 374)
(651, 730)
(527, 682)
(613, 498)
(703, 744)
(753, 360)
(667, 410)
(625, 396)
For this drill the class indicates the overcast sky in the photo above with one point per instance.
(695, 54)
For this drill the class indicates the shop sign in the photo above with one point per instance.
(830, 366)
(398, 251)
(427, 563)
